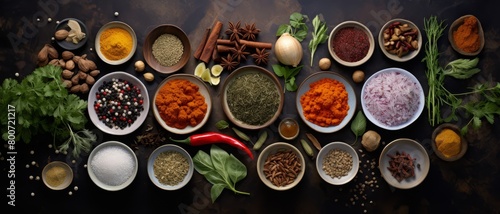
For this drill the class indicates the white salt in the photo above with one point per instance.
(113, 165)
(392, 98)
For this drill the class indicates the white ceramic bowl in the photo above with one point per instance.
(115, 24)
(248, 70)
(421, 101)
(305, 86)
(95, 178)
(342, 146)
(417, 151)
(165, 148)
(271, 149)
(357, 25)
(92, 99)
(411, 54)
(203, 89)
(67, 170)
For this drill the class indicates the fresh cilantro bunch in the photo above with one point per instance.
(43, 105)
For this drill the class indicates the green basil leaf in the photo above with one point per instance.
(222, 124)
(358, 125)
(219, 158)
(300, 35)
(296, 70)
(216, 191)
(278, 70)
(284, 28)
(214, 177)
(203, 162)
(235, 169)
(297, 17)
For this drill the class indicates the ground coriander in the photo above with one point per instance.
(170, 168)
(168, 49)
(337, 163)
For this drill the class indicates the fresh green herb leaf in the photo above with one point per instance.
(222, 124)
(297, 27)
(462, 68)
(242, 135)
(262, 139)
(288, 73)
(221, 169)
(358, 125)
(319, 36)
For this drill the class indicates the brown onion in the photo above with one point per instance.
(288, 50)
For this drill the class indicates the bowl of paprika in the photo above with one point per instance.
(466, 35)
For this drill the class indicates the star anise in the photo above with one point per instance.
(261, 56)
(234, 31)
(250, 32)
(239, 52)
(229, 63)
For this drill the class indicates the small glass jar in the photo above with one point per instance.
(288, 129)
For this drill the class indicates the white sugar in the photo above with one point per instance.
(113, 165)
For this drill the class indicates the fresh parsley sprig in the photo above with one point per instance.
(319, 35)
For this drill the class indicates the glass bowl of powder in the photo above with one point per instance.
(112, 165)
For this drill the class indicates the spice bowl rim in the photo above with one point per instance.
(463, 142)
(294, 121)
(70, 45)
(151, 37)
(352, 99)
(454, 26)
(410, 121)
(345, 147)
(91, 98)
(203, 89)
(358, 25)
(67, 170)
(409, 55)
(271, 149)
(238, 72)
(113, 24)
(164, 148)
(99, 183)
(417, 151)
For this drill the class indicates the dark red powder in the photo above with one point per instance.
(350, 44)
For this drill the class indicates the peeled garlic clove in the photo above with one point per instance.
(288, 50)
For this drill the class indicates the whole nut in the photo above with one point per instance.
(67, 84)
(82, 75)
(75, 89)
(43, 56)
(75, 79)
(94, 73)
(90, 80)
(86, 65)
(67, 74)
(70, 65)
(62, 63)
(52, 52)
(149, 76)
(67, 55)
(84, 88)
(61, 34)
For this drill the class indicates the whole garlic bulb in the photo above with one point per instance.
(288, 50)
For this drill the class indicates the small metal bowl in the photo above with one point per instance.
(454, 26)
(463, 142)
(357, 25)
(68, 175)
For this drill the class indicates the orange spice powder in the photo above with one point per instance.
(326, 102)
(180, 104)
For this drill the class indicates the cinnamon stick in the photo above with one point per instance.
(201, 46)
(211, 43)
(223, 48)
(252, 44)
(216, 56)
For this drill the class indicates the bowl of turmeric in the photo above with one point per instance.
(115, 43)
(448, 143)
(466, 35)
(326, 101)
(182, 103)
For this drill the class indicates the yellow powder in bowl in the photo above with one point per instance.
(55, 176)
(448, 142)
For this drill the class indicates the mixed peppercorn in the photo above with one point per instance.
(118, 103)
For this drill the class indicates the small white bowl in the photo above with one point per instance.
(411, 54)
(417, 151)
(107, 145)
(271, 149)
(92, 98)
(357, 25)
(305, 86)
(421, 101)
(115, 24)
(342, 146)
(203, 89)
(67, 170)
(165, 148)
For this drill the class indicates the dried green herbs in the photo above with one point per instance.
(253, 98)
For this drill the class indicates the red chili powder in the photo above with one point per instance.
(350, 44)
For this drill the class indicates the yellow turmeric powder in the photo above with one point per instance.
(448, 142)
(326, 102)
(116, 43)
(180, 104)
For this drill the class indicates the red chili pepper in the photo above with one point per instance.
(215, 137)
